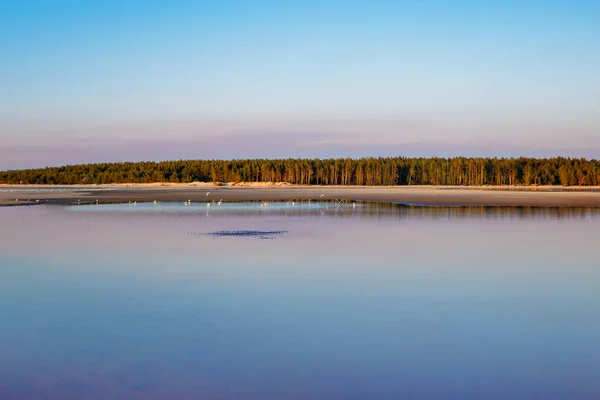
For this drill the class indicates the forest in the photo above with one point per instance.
(460, 171)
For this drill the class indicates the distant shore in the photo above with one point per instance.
(558, 196)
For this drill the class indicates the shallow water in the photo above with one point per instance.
(369, 301)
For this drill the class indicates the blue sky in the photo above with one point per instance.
(111, 80)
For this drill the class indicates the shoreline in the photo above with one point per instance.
(268, 185)
(546, 196)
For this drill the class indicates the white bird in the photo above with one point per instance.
(154, 201)
(220, 202)
(207, 193)
(353, 205)
(322, 195)
(135, 203)
(207, 204)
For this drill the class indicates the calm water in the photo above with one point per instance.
(343, 302)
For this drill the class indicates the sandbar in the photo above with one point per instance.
(549, 196)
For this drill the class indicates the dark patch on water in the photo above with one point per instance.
(241, 233)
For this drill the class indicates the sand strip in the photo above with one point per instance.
(421, 195)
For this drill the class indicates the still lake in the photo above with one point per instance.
(303, 301)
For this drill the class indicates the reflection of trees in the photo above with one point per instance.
(368, 210)
(349, 209)
(383, 210)
(501, 212)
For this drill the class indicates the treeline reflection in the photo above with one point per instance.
(369, 210)
(348, 209)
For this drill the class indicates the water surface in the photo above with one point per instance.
(369, 301)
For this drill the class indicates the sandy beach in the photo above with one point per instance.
(413, 195)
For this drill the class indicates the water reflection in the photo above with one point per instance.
(374, 301)
(502, 212)
(342, 209)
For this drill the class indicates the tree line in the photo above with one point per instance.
(369, 171)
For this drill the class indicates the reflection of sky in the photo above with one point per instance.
(128, 305)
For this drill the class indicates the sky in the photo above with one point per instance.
(95, 81)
